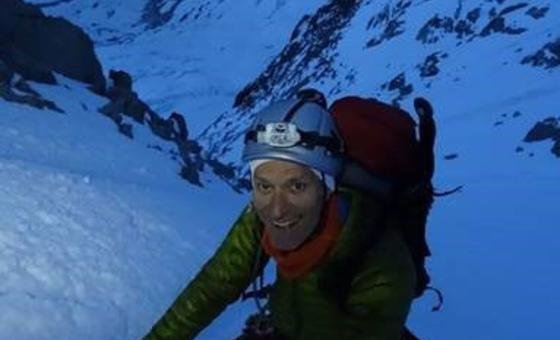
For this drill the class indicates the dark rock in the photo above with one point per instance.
(547, 129)
(113, 109)
(6, 73)
(23, 86)
(498, 123)
(430, 66)
(126, 129)
(464, 28)
(390, 18)
(11, 14)
(516, 114)
(398, 84)
(135, 108)
(43, 39)
(451, 156)
(36, 101)
(26, 66)
(473, 15)
(190, 174)
(434, 29)
(120, 80)
(159, 126)
(25, 94)
(31, 43)
(155, 147)
(157, 13)
(513, 8)
(304, 59)
(179, 126)
(498, 25)
(547, 56)
(124, 100)
(537, 13)
(519, 149)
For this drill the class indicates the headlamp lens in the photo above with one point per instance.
(281, 135)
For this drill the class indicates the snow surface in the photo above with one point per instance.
(99, 234)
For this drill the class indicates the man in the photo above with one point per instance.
(327, 285)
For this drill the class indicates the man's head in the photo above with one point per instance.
(288, 198)
(295, 155)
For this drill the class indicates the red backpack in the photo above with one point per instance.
(385, 158)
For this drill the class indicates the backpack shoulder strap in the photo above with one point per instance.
(364, 226)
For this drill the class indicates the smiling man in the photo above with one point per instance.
(288, 199)
(343, 272)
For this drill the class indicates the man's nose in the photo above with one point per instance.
(279, 205)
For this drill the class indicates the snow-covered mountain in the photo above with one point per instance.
(190, 56)
(461, 54)
(99, 233)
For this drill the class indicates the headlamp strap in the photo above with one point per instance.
(313, 139)
(291, 113)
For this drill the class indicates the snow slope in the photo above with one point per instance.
(98, 232)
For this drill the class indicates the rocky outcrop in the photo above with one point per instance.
(494, 17)
(400, 87)
(310, 50)
(15, 89)
(546, 57)
(157, 13)
(124, 105)
(548, 129)
(34, 46)
(388, 23)
(429, 68)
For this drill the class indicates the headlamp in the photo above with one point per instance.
(281, 135)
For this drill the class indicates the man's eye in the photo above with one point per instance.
(263, 187)
(299, 186)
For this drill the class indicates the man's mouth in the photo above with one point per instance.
(285, 224)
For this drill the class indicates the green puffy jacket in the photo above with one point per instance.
(373, 304)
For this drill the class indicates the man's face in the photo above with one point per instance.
(288, 199)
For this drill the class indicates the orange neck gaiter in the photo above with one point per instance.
(295, 263)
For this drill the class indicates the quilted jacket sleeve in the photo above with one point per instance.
(219, 283)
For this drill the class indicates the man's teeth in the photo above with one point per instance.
(288, 224)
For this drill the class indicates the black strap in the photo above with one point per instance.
(427, 132)
(309, 95)
(313, 139)
(314, 96)
(291, 113)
